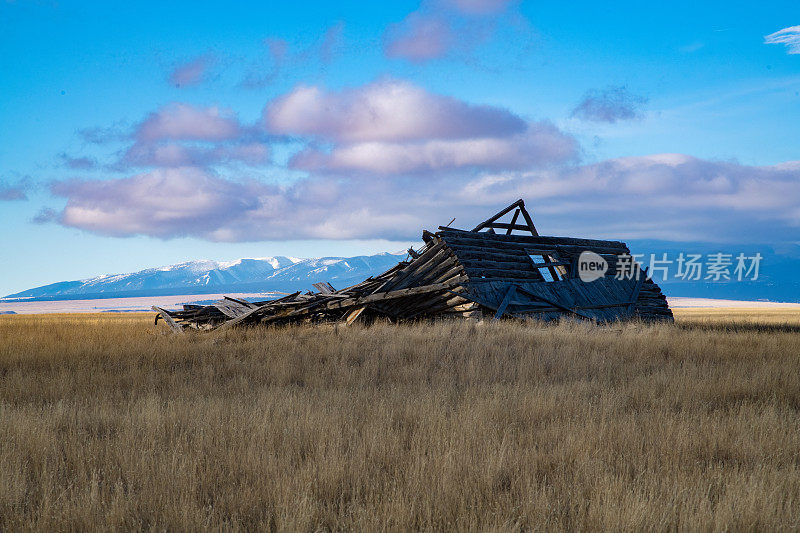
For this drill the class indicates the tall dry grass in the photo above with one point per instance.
(106, 422)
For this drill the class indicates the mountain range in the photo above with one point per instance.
(262, 274)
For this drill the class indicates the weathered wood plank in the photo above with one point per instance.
(164, 314)
(438, 304)
(432, 278)
(492, 273)
(512, 290)
(526, 240)
(523, 264)
(401, 276)
(461, 244)
(324, 287)
(377, 297)
(354, 314)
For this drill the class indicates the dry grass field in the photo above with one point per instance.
(109, 423)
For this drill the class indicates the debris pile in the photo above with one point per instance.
(477, 273)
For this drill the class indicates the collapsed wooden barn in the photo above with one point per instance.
(489, 271)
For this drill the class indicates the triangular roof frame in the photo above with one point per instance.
(492, 223)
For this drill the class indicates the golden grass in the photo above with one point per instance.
(740, 315)
(107, 422)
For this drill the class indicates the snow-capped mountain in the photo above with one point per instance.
(243, 275)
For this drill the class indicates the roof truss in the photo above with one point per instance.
(518, 209)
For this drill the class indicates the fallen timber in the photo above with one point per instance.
(481, 273)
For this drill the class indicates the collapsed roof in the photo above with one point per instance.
(489, 271)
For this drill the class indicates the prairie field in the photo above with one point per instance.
(107, 422)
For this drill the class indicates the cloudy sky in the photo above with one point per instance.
(141, 134)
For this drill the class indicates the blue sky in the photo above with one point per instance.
(142, 134)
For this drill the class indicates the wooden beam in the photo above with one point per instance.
(513, 221)
(488, 221)
(509, 227)
(528, 219)
(555, 304)
(238, 301)
(525, 240)
(168, 319)
(512, 290)
(487, 248)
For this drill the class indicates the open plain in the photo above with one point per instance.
(107, 421)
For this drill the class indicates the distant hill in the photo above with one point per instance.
(206, 277)
(777, 280)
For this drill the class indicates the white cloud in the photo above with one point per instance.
(173, 154)
(668, 196)
(395, 127)
(543, 144)
(188, 201)
(186, 122)
(787, 36)
(388, 110)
